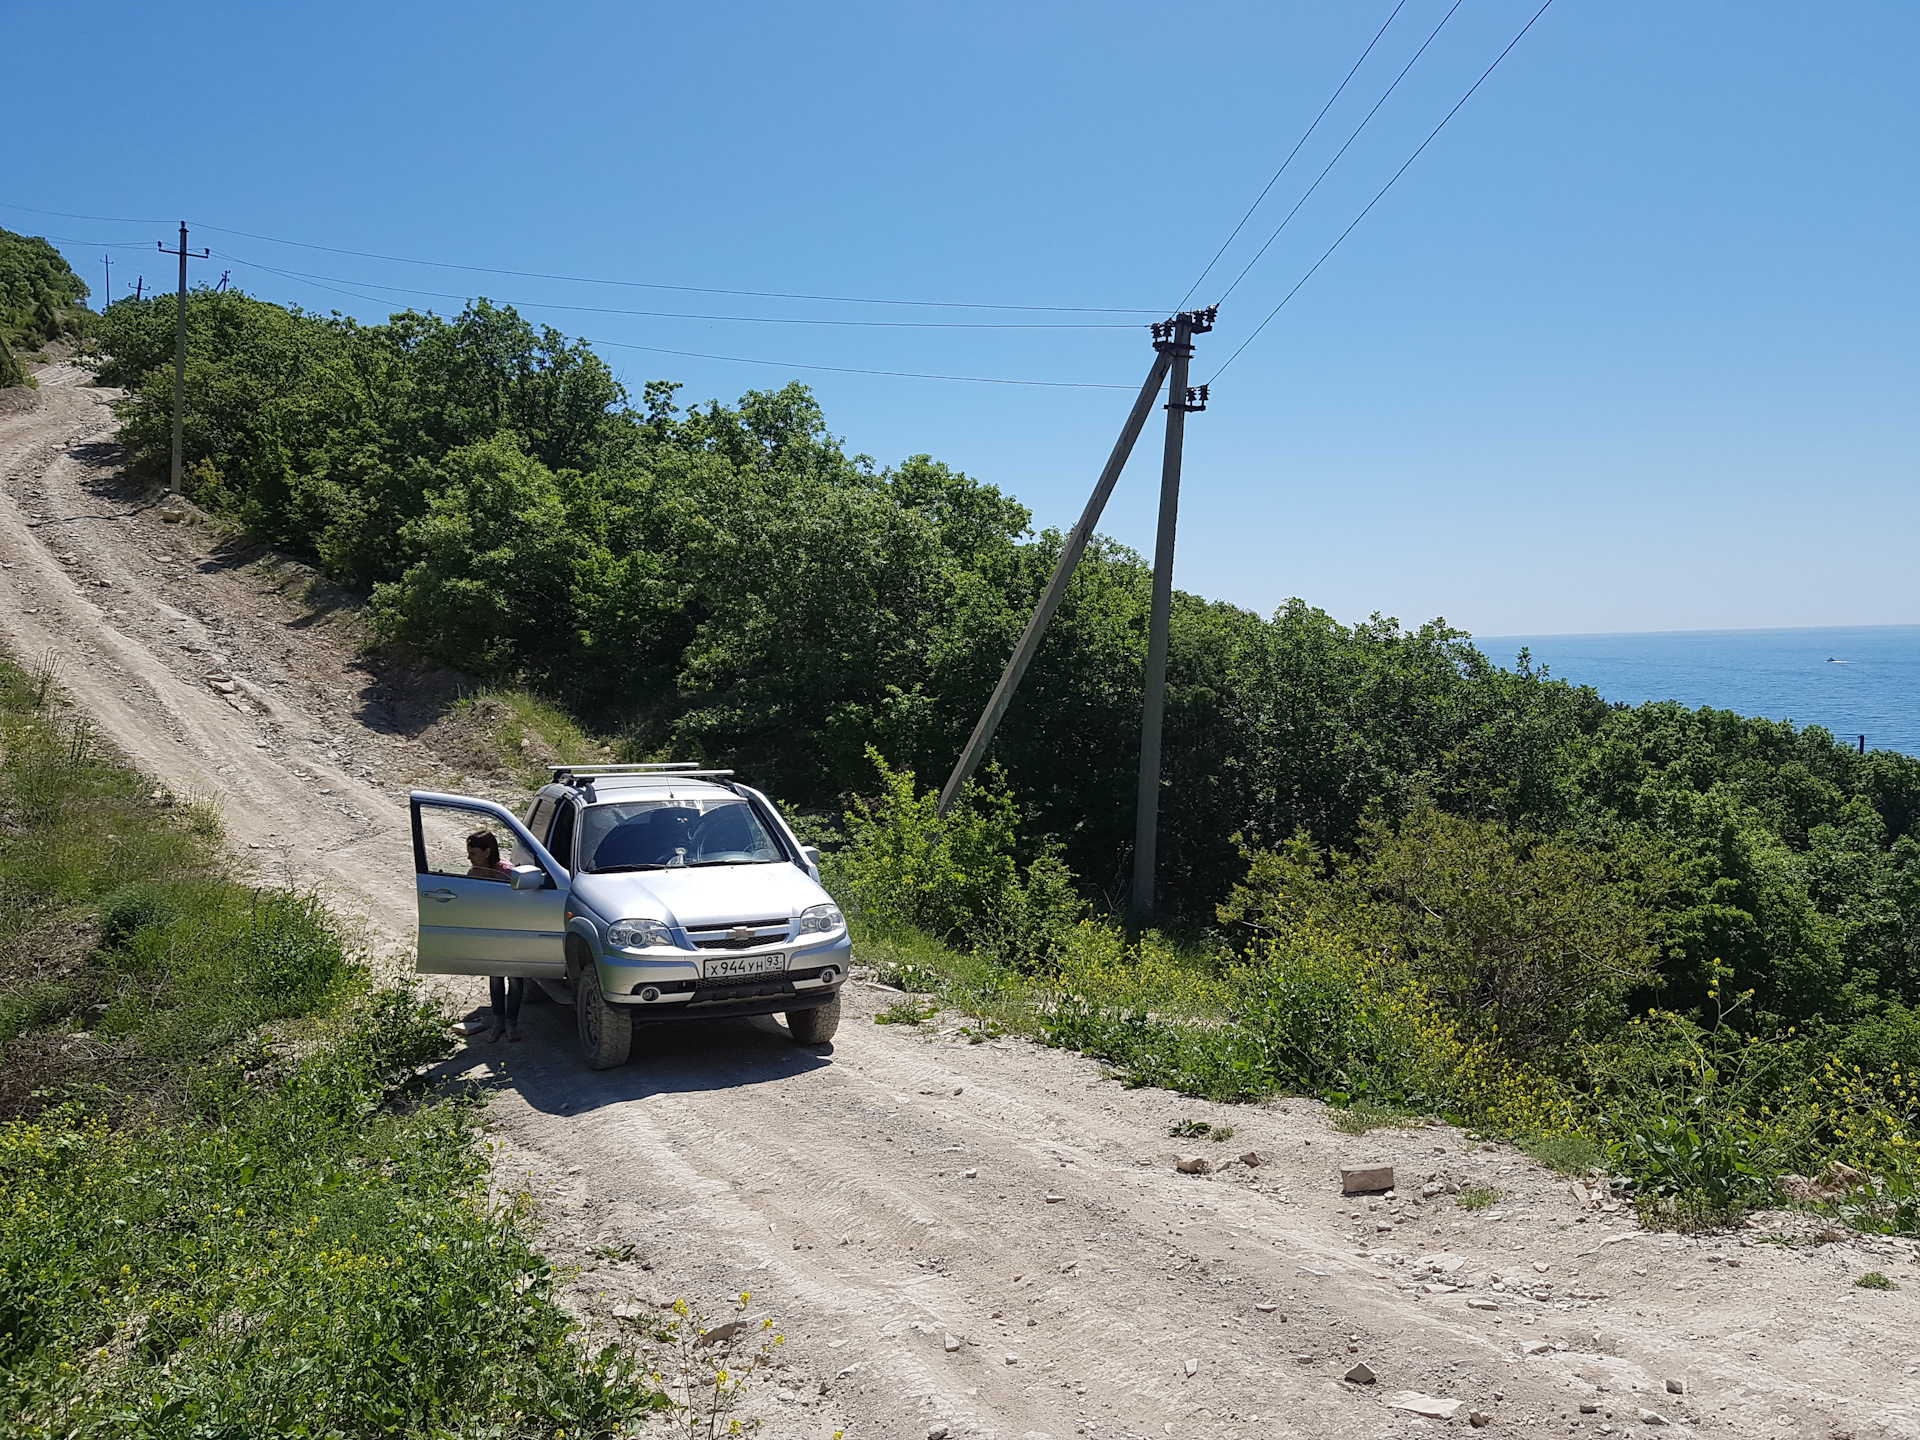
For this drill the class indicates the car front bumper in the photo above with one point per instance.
(660, 987)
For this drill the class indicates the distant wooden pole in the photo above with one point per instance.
(179, 353)
(107, 260)
(1056, 590)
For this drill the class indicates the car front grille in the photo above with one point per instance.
(720, 937)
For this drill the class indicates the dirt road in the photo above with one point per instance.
(971, 1239)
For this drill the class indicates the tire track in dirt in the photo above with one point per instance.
(833, 1185)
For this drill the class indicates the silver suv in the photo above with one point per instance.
(636, 892)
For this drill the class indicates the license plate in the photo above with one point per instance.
(737, 965)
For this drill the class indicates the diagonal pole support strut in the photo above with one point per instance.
(1056, 590)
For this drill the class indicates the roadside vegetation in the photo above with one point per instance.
(41, 301)
(1445, 970)
(227, 1204)
(1682, 945)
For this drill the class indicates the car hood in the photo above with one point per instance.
(702, 898)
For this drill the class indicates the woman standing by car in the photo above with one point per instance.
(504, 992)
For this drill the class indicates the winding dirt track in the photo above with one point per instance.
(989, 1238)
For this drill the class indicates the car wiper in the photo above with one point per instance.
(703, 864)
(618, 869)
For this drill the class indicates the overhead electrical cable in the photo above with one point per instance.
(1341, 151)
(683, 315)
(794, 365)
(68, 215)
(850, 370)
(685, 289)
(101, 244)
(604, 280)
(1305, 136)
(1383, 190)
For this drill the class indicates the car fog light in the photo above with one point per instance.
(650, 994)
(829, 975)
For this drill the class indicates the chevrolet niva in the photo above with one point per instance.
(638, 892)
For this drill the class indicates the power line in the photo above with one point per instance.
(67, 215)
(1383, 190)
(602, 280)
(1305, 136)
(683, 315)
(849, 370)
(796, 365)
(1341, 151)
(686, 289)
(104, 244)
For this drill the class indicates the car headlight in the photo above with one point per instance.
(638, 934)
(818, 919)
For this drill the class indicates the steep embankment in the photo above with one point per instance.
(988, 1238)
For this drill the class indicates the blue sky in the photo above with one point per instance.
(1631, 345)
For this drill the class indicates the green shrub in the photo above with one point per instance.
(905, 868)
(131, 908)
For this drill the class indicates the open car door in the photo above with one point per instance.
(480, 920)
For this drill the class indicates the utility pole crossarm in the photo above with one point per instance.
(1056, 590)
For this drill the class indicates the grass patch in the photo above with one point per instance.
(1687, 1214)
(521, 733)
(1566, 1154)
(1199, 1130)
(1359, 1119)
(228, 1206)
(1874, 1280)
(906, 1012)
(1480, 1197)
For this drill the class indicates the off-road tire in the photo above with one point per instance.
(606, 1031)
(815, 1026)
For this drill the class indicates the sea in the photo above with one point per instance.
(1857, 680)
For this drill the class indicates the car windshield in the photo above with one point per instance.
(669, 833)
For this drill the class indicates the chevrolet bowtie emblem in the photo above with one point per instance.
(740, 932)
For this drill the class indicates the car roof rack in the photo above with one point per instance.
(677, 770)
(645, 769)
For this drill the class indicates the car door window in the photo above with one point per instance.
(445, 834)
(540, 818)
(560, 845)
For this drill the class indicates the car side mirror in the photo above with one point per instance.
(812, 852)
(529, 877)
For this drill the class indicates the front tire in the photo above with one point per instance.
(606, 1031)
(815, 1026)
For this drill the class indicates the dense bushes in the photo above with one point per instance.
(41, 300)
(728, 584)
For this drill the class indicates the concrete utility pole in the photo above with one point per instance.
(1178, 344)
(180, 349)
(107, 260)
(1173, 349)
(1056, 590)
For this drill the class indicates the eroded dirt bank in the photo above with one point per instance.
(987, 1238)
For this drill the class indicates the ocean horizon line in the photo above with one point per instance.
(1477, 637)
